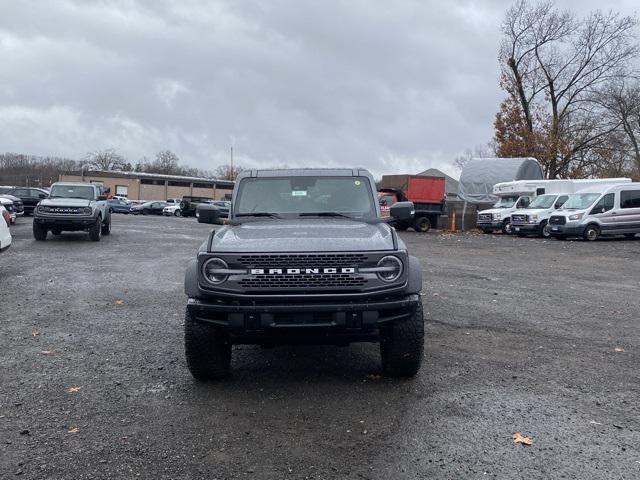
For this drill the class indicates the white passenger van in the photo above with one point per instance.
(513, 196)
(597, 210)
(534, 219)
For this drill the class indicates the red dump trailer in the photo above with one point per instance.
(426, 193)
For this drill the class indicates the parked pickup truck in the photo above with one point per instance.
(73, 207)
(305, 258)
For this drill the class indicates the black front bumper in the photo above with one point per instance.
(528, 228)
(71, 223)
(566, 230)
(313, 322)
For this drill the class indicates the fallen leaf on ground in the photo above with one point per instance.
(73, 389)
(618, 349)
(119, 302)
(73, 430)
(519, 438)
(35, 333)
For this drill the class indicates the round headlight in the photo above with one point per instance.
(392, 266)
(42, 208)
(209, 271)
(87, 210)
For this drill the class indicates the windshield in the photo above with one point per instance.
(543, 201)
(293, 196)
(580, 201)
(72, 191)
(506, 202)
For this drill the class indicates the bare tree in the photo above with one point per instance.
(227, 172)
(167, 163)
(557, 66)
(105, 160)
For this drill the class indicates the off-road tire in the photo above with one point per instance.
(506, 227)
(184, 205)
(106, 227)
(39, 232)
(591, 233)
(422, 224)
(402, 345)
(207, 348)
(95, 232)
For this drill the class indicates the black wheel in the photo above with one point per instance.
(402, 345)
(145, 211)
(544, 230)
(95, 232)
(184, 205)
(106, 226)
(629, 235)
(422, 224)
(506, 227)
(39, 232)
(178, 213)
(207, 348)
(591, 233)
(56, 231)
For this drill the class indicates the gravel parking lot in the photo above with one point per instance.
(523, 335)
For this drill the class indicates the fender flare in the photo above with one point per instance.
(191, 279)
(414, 283)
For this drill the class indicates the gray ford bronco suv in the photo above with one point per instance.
(72, 207)
(304, 258)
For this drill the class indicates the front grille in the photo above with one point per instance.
(485, 217)
(557, 220)
(302, 261)
(66, 210)
(519, 219)
(340, 280)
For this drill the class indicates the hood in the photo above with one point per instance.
(65, 202)
(303, 235)
(494, 210)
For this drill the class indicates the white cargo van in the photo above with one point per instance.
(513, 196)
(598, 210)
(534, 219)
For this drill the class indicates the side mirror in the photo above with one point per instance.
(402, 211)
(207, 213)
(102, 197)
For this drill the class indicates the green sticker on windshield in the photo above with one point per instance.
(299, 193)
(357, 183)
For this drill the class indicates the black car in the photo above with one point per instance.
(28, 195)
(148, 208)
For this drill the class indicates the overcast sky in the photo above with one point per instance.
(395, 86)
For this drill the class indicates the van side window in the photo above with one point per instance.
(604, 204)
(561, 200)
(630, 199)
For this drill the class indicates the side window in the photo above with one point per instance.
(21, 192)
(630, 199)
(604, 204)
(560, 201)
(523, 202)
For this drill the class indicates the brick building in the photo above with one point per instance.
(153, 186)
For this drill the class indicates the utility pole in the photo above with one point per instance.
(231, 164)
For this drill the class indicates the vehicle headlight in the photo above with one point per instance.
(211, 271)
(497, 216)
(533, 218)
(392, 268)
(576, 216)
(42, 208)
(87, 210)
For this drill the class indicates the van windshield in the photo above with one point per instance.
(580, 201)
(506, 202)
(543, 201)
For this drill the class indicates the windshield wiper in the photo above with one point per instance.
(324, 214)
(259, 214)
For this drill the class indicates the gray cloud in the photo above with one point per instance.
(392, 86)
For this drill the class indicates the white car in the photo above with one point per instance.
(172, 211)
(8, 206)
(5, 235)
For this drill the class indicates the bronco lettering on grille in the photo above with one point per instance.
(300, 271)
